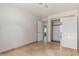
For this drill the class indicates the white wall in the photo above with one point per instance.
(16, 27)
(63, 14)
(49, 30)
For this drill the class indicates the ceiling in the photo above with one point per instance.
(53, 8)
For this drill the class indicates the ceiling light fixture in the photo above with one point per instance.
(44, 5)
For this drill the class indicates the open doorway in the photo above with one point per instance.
(45, 31)
(56, 33)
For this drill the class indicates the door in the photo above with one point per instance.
(40, 31)
(69, 32)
